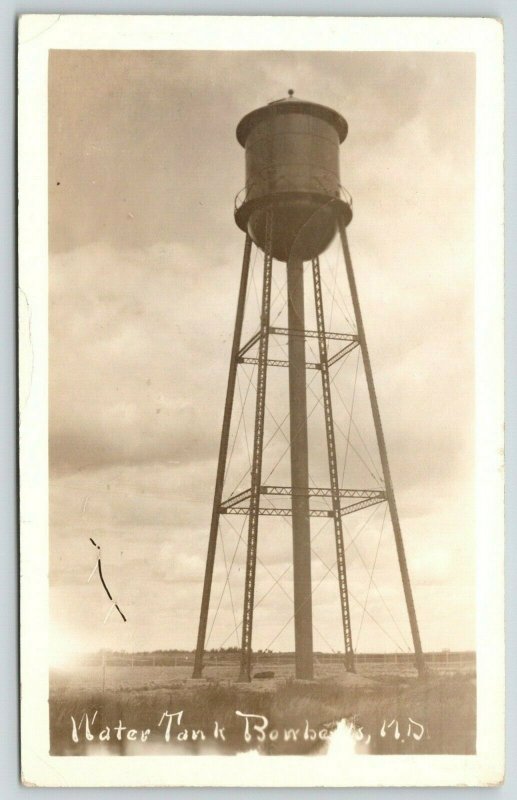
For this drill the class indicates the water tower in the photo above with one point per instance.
(291, 208)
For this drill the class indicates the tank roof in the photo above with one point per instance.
(287, 105)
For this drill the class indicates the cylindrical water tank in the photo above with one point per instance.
(292, 163)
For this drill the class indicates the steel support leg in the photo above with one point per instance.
(299, 473)
(390, 495)
(221, 465)
(256, 466)
(333, 469)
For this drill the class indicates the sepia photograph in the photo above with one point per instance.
(262, 433)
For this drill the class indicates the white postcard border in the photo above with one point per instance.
(37, 35)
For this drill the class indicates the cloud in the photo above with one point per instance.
(131, 356)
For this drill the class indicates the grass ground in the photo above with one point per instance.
(436, 715)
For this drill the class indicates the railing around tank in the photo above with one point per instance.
(243, 195)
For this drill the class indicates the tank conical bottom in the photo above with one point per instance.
(303, 226)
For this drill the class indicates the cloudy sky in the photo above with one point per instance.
(144, 268)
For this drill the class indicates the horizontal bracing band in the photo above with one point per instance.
(249, 344)
(320, 491)
(372, 501)
(240, 497)
(342, 353)
(310, 491)
(313, 512)
(280, 362)
(274, 512)
(344, 337)
(275, 362)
